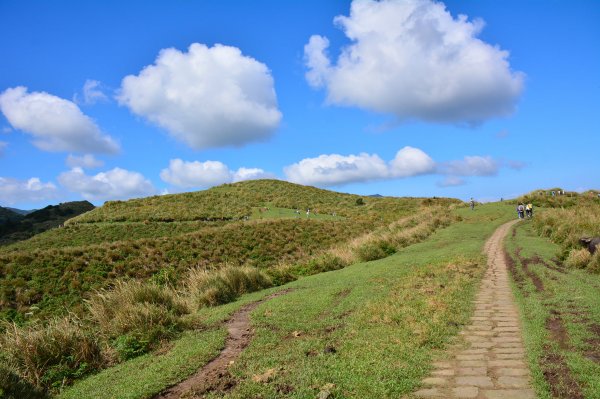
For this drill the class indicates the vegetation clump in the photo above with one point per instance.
(137, 316)
(566, 219)
(50, 355)
(210, 288)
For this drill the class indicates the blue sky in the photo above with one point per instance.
(400, 98)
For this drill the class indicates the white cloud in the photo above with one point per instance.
(451, 181)
(334, 169)
(207, 97)
(196, 174)
(6, 130)
(114, 184)
(92, 93)
(207, 174)
(87, 161)
(412, 59)
(410, 161)
(471, 166)
(56, 124)
(251, 174)
(13, 191)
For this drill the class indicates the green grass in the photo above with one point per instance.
(572, 296)
(271, 212)
(148, 374)
(386, 319)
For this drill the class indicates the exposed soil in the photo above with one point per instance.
(214, 376)
(525, 262)
(557, 374)
(594, 353)
(557, 330)
(559, 378)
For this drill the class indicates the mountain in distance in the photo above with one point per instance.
(20, 211)
(7, 215)
(17, 227)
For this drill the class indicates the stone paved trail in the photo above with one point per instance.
(492, 362)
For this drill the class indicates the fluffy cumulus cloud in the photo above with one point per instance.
(471, 166)
(413, 59)
(251, 174)
(206, 97)
(13, 191)
(410, 161)
(114, 184)
(334, 169)
(197, 174)
(87, 161)
(56, 124)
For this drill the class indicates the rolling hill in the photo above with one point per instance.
(17, 227)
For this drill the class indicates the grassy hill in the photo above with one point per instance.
(15, 227)
(260, 224)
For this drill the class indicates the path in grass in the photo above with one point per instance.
(491, 363)
(214, 375)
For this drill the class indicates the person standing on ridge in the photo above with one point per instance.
(521, 210)
(472, 204)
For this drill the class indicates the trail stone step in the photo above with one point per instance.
(491, 362)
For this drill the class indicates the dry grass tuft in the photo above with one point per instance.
(52, 354)
(210, 288)
(136, 316)
(578, 258)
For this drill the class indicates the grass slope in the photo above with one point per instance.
(371, 329)
(163, 237)
(560, 310)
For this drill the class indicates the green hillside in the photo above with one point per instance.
(260, 224)
(16, 227)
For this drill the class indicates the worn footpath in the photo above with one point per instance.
(491, 361)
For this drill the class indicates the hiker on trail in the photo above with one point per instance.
(521, 210)
(529, 210)
(308, 212)
(472, 204)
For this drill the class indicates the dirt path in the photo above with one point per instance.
(492, 362)
(214, 376)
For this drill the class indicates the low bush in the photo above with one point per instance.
(210, 288)
(14, 387)
(374, 250)
(578, 258)
(566, 225)
(594, 264)
(136, 316)
(50, 355)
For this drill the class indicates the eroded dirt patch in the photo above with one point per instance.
(558, 332)
(525, 262)
(215, 376)
(559, 378)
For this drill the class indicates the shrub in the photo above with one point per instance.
(47, 356)
(14, 387)
(210, 288)
(594, 265)
(374, 250)
(578, 258)
(136, 316)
